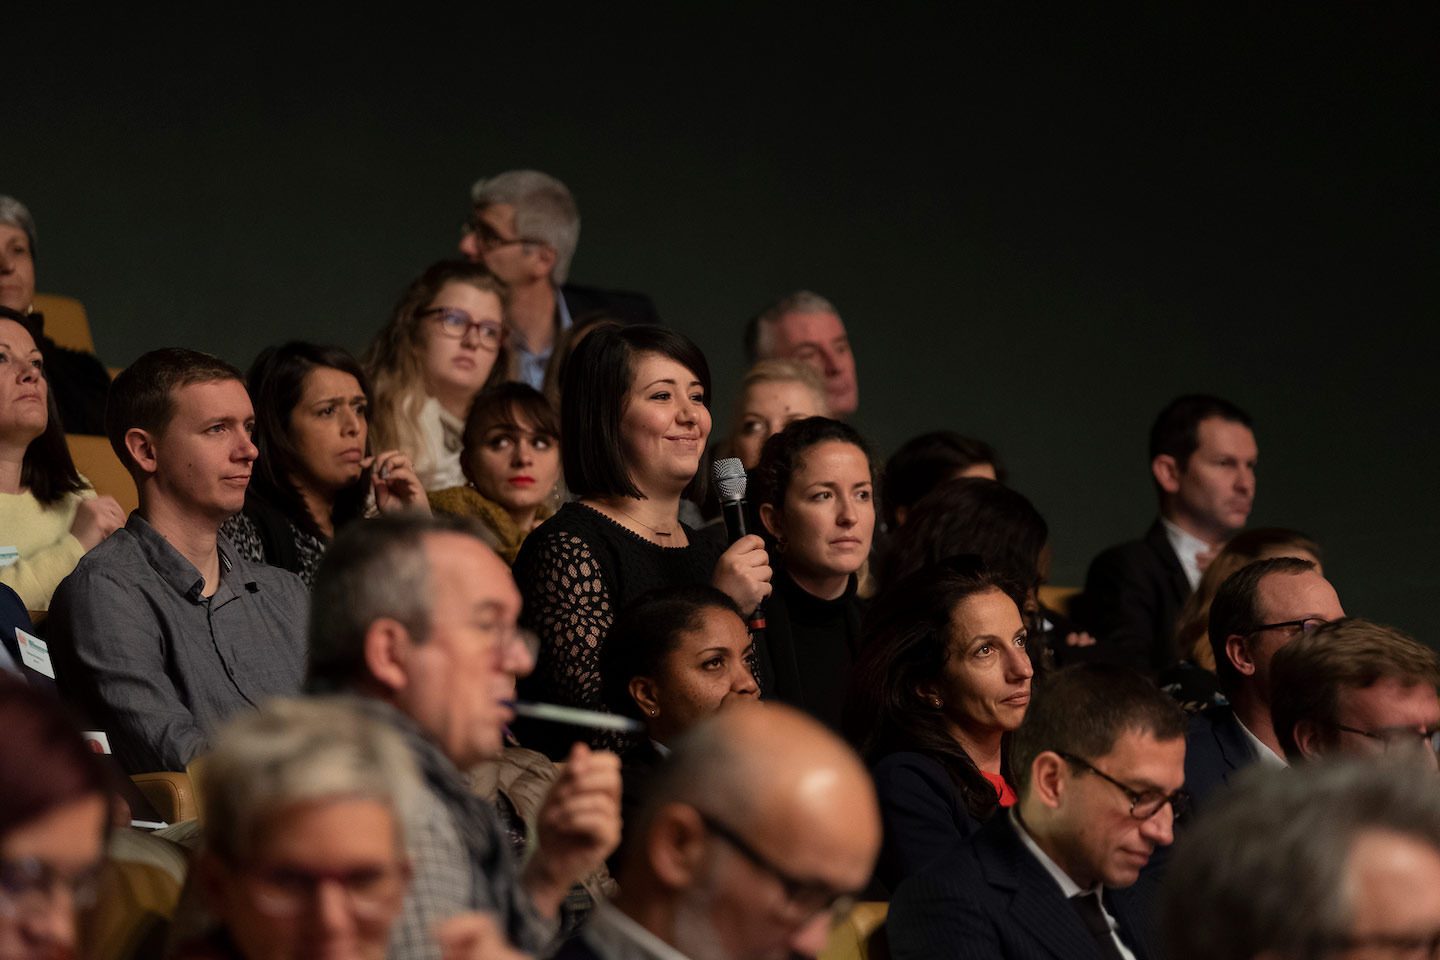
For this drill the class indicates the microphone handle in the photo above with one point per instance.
(737, 525)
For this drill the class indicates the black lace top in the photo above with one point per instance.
(575, 572)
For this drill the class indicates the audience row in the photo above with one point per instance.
(428, 627)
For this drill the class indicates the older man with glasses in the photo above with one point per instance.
(1357, 688)
(1099, 762)
(524, 226)
(1257, 610)
(756, 833)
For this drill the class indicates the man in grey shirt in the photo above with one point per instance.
(163, 629)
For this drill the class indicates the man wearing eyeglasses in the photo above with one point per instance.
(416, 616)
(1357, 688)
(1098, 764)
(524, 227)
(1258, 609)
(1339, 860)
(755, 834)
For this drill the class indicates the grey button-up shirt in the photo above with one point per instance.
(159, 666)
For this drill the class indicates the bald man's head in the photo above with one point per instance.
(755, 825)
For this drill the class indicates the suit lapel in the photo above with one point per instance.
(1160, 543)
(1036, 905)
(1236, 750)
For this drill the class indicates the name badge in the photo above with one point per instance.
(96, 740)
(34, 653)
(9, 555)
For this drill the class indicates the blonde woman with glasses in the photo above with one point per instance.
(444, 343)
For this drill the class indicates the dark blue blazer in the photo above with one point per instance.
(922, 812)
(13, 614)
(1215, 749)
(988, 897)
(1133, 594)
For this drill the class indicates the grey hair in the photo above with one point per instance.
(294, 751)
(1265, 868)
(15, 214)
(760, 333)
(373, 569)
(544, 210)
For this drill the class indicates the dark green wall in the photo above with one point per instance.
(1038, 232)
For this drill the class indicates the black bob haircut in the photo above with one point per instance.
(597, 385)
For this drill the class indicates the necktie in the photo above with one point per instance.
(1087, 905)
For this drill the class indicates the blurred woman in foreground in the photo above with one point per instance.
(53, 812)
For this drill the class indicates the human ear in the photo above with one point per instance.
(1239, 654)
(675, 846)
(1308, 739)
(643, 690)
(1047, 778)
(773, 520)
(141, 447)
(1167, 472)
(387, 648)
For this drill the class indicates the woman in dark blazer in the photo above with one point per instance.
(942, 681)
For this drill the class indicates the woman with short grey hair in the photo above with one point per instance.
(78, 379)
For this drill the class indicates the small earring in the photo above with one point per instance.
(936, 702)
(654, 711)
(780, 545)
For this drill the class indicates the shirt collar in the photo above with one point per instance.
(171, 564)
(1263, 753)
(1067, 886)
(609, 928)
(1186, 546)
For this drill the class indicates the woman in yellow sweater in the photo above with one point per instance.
(49, 516)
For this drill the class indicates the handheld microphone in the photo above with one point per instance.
(729, 476)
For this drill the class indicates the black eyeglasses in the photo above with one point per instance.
(806, 897)
(31, 886)
(487, 237)
(1427, 739)
(1307, 625)
(1144, 804)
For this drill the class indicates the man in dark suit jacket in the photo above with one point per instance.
(1202, 458)
(1099, 762)
(1257, 610)
(524, 227)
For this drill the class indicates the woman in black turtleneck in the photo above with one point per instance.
(813, 490)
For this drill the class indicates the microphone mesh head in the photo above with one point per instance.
(729, 476)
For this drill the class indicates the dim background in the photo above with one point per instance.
(1037, 229)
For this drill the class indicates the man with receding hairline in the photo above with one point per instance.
(1257, 610)
(758, 827)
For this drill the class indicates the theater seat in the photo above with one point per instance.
(97, 462)
(65, 321)
(1059, 598)
(170, 793)
(852, 939)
